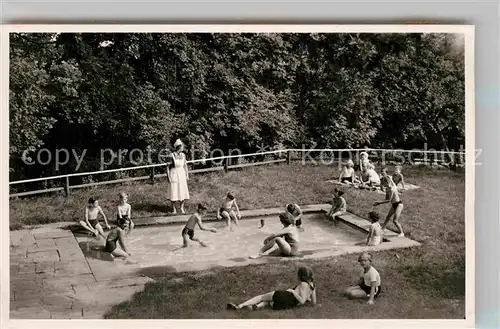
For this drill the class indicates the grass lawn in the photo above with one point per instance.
(426, 282)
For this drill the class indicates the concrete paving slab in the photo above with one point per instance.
(56, 234)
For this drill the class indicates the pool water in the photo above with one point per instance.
(162, 245)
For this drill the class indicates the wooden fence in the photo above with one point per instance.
(227, 165)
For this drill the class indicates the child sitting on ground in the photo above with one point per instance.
(347, 173)
(369, 285)
(304, 292)
(91, 223)
(375, 232)
(370, 178)
(196, 218)
(125, 210)
(339, 205)
(296, 213)
(397, 177)
(226, 210)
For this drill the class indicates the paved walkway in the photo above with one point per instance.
(53, 274)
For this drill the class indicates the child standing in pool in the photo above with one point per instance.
(125, 210)
(117, 236)
(195, 219)
(339, 205)
(226, 210)
(91, 223)
(375, 232)
(304, 292)
(392, 196)
(369, 285)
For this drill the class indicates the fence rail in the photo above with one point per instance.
(227, 165)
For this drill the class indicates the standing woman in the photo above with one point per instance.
(177, 173)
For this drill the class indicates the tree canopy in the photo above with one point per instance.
(92, 91)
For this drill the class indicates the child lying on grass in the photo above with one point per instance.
(284, 299)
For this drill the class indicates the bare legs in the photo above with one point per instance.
(256, 302)
(355, 292)
(174, 210)
(228, 217)
(284, 247)
(88, 228)
(395, 214)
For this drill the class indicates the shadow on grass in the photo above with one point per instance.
(152, 208)
(446, 282)
(159, 272)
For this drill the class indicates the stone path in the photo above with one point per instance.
(50, 278)
(56, 274)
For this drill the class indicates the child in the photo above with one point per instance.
(375, 232)
(284, 299)
(124, 210)
(287, 239)
(339, 206)
(188, 230)
(226, 210)
(370, 177)
(347, 173)
(397, 177)
(117, 235)
(364, 161)
(296, 213)
(369, 284)
(392, 197)
(91, 223)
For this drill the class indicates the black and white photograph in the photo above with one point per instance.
(241, 172)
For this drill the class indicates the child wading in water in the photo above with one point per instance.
(284, 299)
(339, 206)
(117, 236)
(375, 232)
(287, 239)
(392, 197)
(91, 223)
(226, 210)
(369, 285)
(195, 219)
(125, 210)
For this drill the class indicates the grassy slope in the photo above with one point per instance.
(427, 282)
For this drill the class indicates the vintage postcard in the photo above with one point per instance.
(228, 172)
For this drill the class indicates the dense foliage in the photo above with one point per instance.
(128, 90)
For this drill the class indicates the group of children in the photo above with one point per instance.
(368, 177)
(369, 286)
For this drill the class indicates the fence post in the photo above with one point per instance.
(152, 176)
(226, 164)
(289, 157)
(66, 187)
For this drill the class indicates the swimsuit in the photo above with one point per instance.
(189, 232)
(396, 204)
(346, 180)
(283, 299)
(111, 244)
(367, 289)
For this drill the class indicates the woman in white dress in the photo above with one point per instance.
(177, 173)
